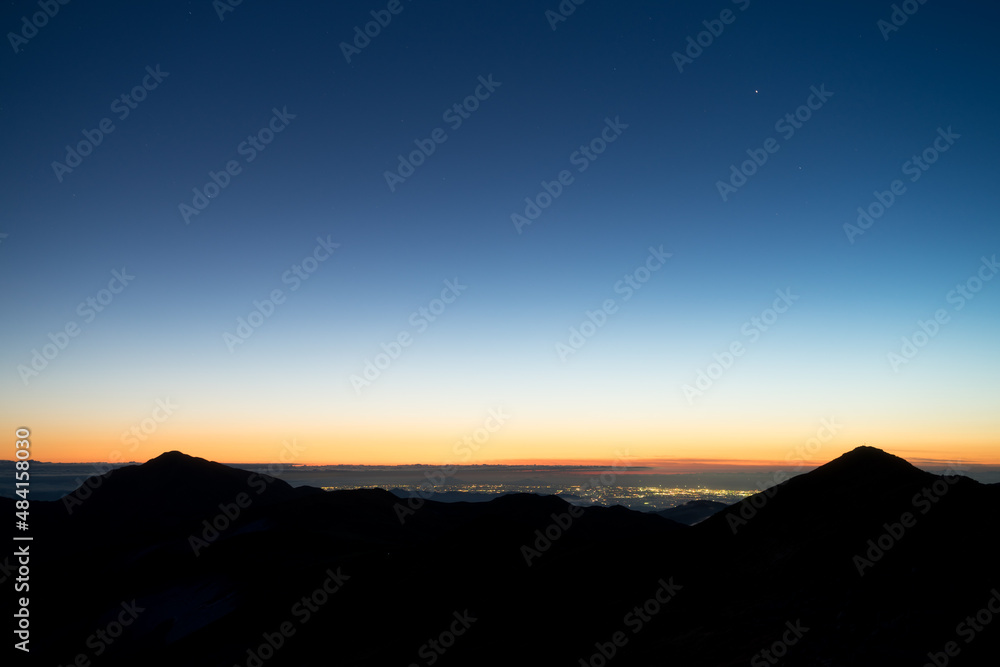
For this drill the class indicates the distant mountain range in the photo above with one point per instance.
(866, 560)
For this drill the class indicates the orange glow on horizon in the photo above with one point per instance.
(681, 446)
(686, 458)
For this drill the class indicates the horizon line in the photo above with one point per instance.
(638, 465)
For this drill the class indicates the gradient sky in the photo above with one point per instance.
(161, 338)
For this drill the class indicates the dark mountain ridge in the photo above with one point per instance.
(218, 557)
(692, 511)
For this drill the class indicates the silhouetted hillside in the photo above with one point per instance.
(692, 511)
(219, 559)
(164, 493)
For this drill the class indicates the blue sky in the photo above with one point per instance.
(323, 176)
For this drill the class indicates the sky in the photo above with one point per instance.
(405, 232)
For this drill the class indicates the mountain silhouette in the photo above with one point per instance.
(850, 483)
(692, 511)
(166, 491)
(219, 559)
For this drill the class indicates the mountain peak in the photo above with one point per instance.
(868, 451)
(177, 482)
(866, 463)
(177, 460)
(850, 487)
(173, 456)
(176, 457)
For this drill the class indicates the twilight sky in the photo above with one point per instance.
(632, 228)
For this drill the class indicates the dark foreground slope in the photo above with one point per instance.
(203, 564)
(692, 512)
